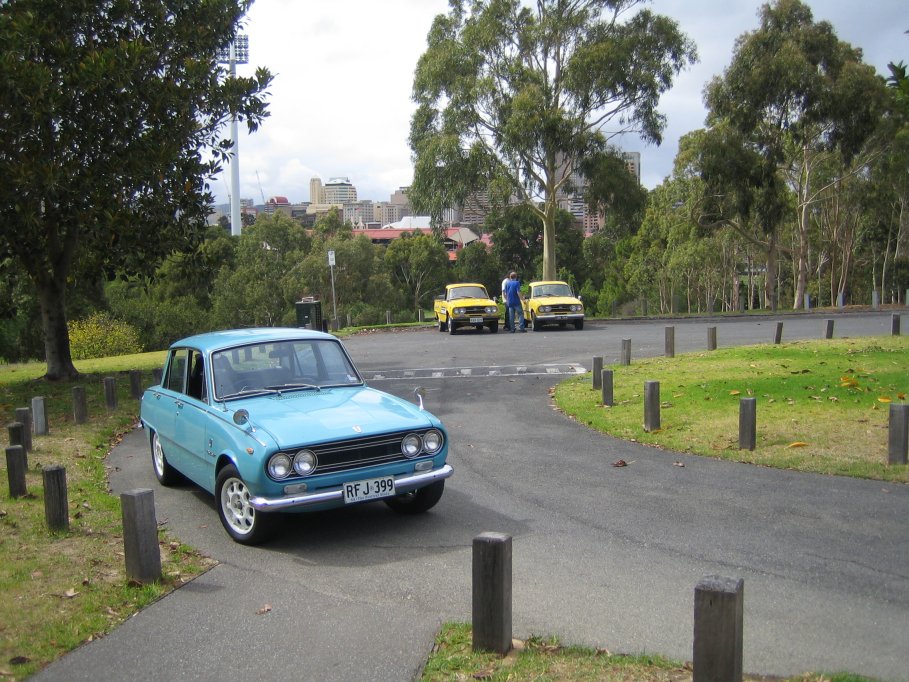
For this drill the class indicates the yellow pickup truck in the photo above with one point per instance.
(552, 303)
(466, 305)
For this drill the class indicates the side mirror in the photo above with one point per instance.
(241, 417)
(419, 393)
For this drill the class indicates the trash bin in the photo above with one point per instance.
(309, 313)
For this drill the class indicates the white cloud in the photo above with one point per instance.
(340, 102)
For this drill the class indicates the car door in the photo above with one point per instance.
(191, 417)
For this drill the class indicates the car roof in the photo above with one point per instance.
(228, 338)
(547, 281)
(464, 284)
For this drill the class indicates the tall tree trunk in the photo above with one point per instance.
(52, 300)
(550, 271)
(770, 277)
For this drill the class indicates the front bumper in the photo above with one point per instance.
(559, 317)
(403, 484)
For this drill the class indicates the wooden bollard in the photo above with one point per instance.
(492, 589)
(669, 334)
(894, 325)
(718, 620)
(80, 407)
(597, 378)
(747, 423)
(14, 430)
(606, 381)
(110, 393)
(898, 438)
(626, 352)
(711, 338)
(16, 465)
(24, 417)
(778, 337)
(828, 329)
(135, 384)
(39, 415)
(651, 405)
(140, 536)
(56, 501)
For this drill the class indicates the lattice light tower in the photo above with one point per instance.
(235, 53)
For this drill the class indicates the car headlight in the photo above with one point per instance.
(305, 462)
(459, 311)
(545, 308)
(411, 445)
(279, 466)
(577, 308)
(490, 309)
(432, 441)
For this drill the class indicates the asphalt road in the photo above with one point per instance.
(603, 556)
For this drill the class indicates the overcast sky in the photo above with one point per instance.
(343, 70)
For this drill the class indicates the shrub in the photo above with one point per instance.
(100, 335)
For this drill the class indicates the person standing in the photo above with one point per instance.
(514, 299)
(505, 303)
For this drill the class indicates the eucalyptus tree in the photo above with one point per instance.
(795, 94)
(512, 100)
(420, 264)
(111, 122)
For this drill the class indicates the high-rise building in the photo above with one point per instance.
(633, 164)
(339, 191)
(315, 191)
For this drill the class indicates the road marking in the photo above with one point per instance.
(566, 369)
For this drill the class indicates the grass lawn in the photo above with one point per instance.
(822, 406)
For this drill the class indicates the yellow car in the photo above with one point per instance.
(552, 303)
(466, 305)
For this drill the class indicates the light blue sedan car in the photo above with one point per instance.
(279, 420)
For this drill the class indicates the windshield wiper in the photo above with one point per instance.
(284, 387)
(247, 391)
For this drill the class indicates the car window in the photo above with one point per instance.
(195, 385)
(282, 366)
(175, 380)
(552, 290)
(468, 292)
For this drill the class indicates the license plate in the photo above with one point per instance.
(370, 489)
(476, 320)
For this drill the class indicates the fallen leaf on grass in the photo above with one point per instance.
(884, 399)
(20, 660)
(734, 392)
(797, 444)
(69, 594)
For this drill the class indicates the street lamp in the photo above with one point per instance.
(235, 53)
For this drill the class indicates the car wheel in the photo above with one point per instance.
(579, 324)
(534, 325)
(494, 327)
(242, 522)
(451, 326)
(442, 326)
(418, 501)
(164, 472)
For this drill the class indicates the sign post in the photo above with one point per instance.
(334, 302)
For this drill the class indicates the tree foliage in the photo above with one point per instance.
(510, 99)
(111, 120)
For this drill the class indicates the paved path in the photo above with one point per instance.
(603, 556)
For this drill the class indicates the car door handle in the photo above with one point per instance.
(179, 403)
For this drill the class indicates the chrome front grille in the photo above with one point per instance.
(357, 453)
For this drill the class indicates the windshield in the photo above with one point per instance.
(551, 290)
(468, 292)
(276, 367)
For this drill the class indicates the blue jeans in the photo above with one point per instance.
(510, 317)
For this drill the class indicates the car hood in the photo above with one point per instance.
(469, 302)
(555, 300)
(298, 417)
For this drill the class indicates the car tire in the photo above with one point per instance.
(494, 327)
(534, 325)
(418, 501)
(442, 326)
(244, 524)
(451, 326)
(164, 472)
(579, 324)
